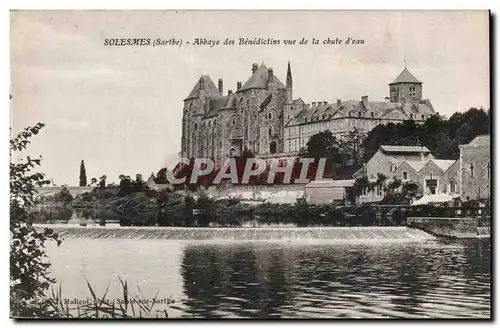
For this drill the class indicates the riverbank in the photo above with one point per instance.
(378, 234)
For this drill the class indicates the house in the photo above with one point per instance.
(432, 176)
(386, 161)
(475, 169)
(327, 191)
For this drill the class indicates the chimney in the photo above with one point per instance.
(202, 84)
(254, 67)
(313, 107)
(270, 75)
(339, 103)
(221, 87)
(238, 86)
(229, 92)
(387, 99)
(325, 103)
(364, 99)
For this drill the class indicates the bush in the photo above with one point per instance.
(29, 264)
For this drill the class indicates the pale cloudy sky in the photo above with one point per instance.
(120, 108)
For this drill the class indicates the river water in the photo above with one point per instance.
(314, 279)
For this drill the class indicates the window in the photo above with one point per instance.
(423, 117)
(359, 114)
(270, 131)
(233, 122)
(452, 186)
(289, 144)
(390, 168)
(272, 147)
(270, 115)
(373, 114)
(196, 126)
(248, 104)
(405, 175)
(472, 171)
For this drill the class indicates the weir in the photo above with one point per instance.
(243, 234)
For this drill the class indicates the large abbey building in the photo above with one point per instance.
(262, 116)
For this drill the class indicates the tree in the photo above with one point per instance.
(83, 175)
(351, 148)
(102, 181)
(324, 145)
(29, 264)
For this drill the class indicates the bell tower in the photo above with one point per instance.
(405, 88)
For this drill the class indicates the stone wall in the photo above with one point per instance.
(475, 165)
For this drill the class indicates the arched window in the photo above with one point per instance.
(248, 104)
(215, 122)
(270, 131)
(233, 122)
(270, 115)
(272, 147)
(241, 104)
(452, 186)
(196, 126)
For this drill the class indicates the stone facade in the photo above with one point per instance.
(262, 116)
(432, 177)
(391, 161)
(475, 169)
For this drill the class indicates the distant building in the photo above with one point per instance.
(475, 169)
(328, 191)
(261, 115)
(432, 176)
(386, 161)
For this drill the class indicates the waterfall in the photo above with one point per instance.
(243, 234)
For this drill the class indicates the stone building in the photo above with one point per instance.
(405, 103)
(216, 126)
(432, 176)
(475, 169)
(262, 116)
(392, 161)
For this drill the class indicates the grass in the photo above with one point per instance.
(95, 307)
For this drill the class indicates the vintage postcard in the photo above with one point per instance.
(250, 164)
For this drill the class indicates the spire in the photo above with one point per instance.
(289, 76)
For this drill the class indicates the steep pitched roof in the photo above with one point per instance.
(377, 109)
(405, 149)
(417, 165)
(481, 140)
(444, 164)
(211, 90)
(406, 77)
(259, 79)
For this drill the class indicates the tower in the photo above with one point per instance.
(405, 88)
(289, 85)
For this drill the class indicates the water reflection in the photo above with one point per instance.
(283, 280)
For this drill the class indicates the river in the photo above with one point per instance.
(283, 279)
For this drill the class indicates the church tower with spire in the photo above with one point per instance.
(405, 88)
(289, 85)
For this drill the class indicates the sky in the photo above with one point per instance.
(120, 108)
